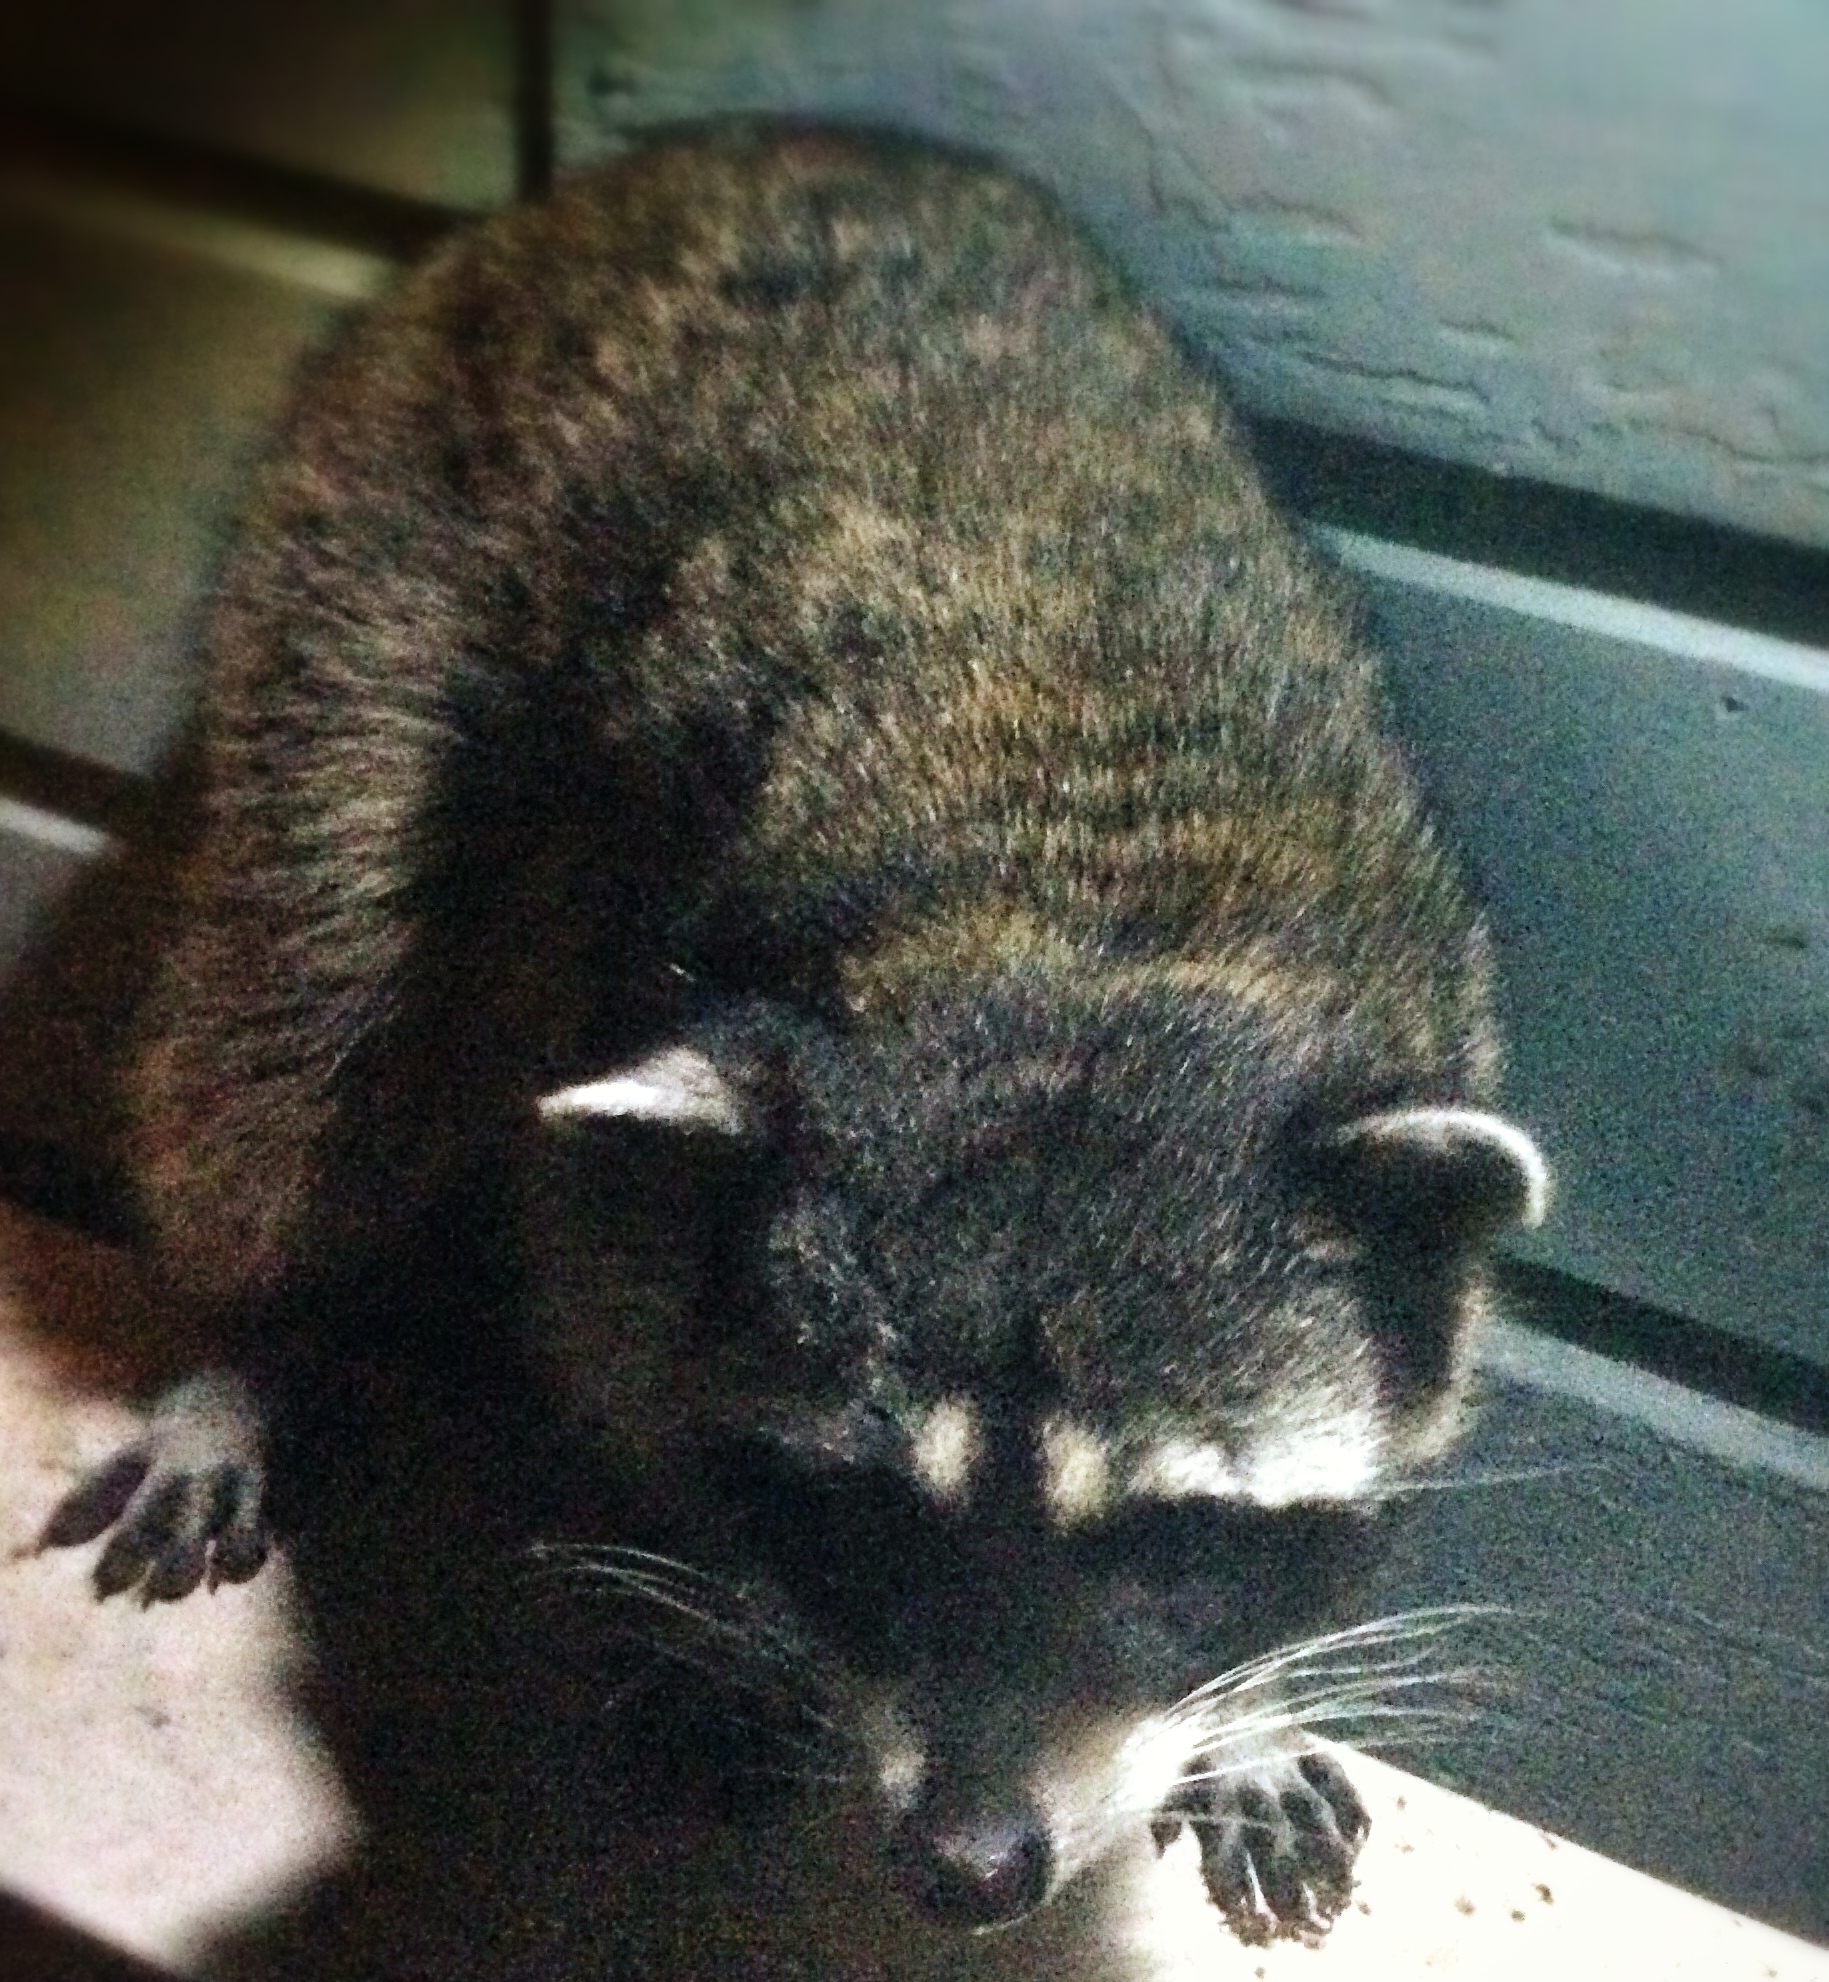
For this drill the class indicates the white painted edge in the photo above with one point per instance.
(1727, 1432)
(32, 822)
(326, 269)
(1673, 633)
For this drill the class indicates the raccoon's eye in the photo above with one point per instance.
(853, 1541)
(834, 1523)
(1261, 1554)
(1164, 1543)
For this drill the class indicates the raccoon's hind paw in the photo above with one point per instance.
(186, 1501)
(1277, 1844)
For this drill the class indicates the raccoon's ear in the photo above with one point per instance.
(677, 1087)
(1451, 1176)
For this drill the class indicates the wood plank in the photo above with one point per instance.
(415, 96)
(1645, 806)
(136, 380)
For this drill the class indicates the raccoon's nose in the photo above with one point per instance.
(981, 1874)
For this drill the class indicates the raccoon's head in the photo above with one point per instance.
(1016, 1369)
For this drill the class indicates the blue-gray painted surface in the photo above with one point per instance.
(1660, 1677)
(1651, 834)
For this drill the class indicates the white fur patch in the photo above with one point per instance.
(1076, 1472)
(1336, 1455)
(946, 1448)
(1098, 1784)
(1185, 1469)
(1338, 1458)
(677, 1086)
(892, 1747)
(1151, 1762)
(1442, 1129)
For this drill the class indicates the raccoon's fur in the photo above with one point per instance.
(764, 699)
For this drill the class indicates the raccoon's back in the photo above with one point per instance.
(761, 422)
(784, 559)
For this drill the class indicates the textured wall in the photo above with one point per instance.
(1581, 240)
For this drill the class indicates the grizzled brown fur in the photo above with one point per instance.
(795, 563)
(775, 654)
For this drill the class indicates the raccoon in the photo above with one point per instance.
(762, 716)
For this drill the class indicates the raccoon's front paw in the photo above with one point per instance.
(1277, 1843)
(186, 1501)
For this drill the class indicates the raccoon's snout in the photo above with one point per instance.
(981, 1874)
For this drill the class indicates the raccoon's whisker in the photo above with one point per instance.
(1358, 1717)
(1397, 1627)
(626, 1577)
(1304, 1709)
(1318, 1713)
(1495, 1476)
(741, 1651)
(656, 1571)
(588, 1563)
(1367, 1698)
(756, 1636)
(1349, 1713)
(710, 1657)
(731, 1665)
(646, 1591)
(1423, 1725)
(1401, 1628)
(642, 1573)
(721, 1673)
(589, 1555)
(729, 1678)
(1368, 1671)
(1377, 1682)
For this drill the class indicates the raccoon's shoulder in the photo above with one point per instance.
(708, 390)
(654, 304)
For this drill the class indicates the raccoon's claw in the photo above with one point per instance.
(186, 1502)
(1277, 1844)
